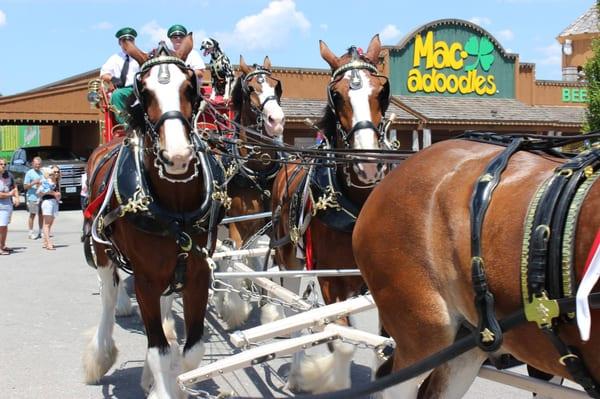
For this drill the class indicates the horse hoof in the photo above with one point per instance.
(96, 363)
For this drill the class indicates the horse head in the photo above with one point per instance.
(257, 97)
(358, 97)
(166, 90)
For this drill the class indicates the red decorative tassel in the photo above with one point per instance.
(94, 205)
(308, 249)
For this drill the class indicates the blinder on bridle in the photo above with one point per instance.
(356, 64)
(163, 58)
(261, 74)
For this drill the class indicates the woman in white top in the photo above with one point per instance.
(49, 193)
(9, 196)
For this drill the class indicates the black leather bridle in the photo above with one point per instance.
(163, 59)
(354, 66)
(261, 74)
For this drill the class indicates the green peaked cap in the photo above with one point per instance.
(177, 30)
(126, 33)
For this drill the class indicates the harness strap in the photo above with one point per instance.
(490, 337)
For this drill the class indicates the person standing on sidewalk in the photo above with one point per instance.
(49, 193)
(31, 183)
(9, 196)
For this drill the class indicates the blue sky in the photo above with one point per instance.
(42, 41)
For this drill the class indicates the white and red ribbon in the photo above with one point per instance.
(591, 274)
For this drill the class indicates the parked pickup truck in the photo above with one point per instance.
(71, 167)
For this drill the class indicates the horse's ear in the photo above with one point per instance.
(243, 66)
(328, 55)
(187, 44)
(267, 63)
(374, 50)
(134, 52)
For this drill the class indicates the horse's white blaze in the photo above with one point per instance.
(363, 138)
(176, 144)
(361, 111)
(274, 118)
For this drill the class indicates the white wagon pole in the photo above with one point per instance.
(543, 388)
(314, 318)
(276, 349)
(289, 273)
(240, 253)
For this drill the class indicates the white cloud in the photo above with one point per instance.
(389, 34)
(324, 26)
(481, 21)
(267, 30)
(549, 55)
(154, 32)
(2, 18)
(102, 26)
(505, 34)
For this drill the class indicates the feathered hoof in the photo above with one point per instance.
(234, 310)
(323, 373)
(270, 312)
(96, 363)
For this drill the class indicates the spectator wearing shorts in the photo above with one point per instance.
(31, 183)
(9, 196)
(49, 193)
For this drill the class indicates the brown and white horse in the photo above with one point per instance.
(412, 242)
(256, 97)
(156, 216)
(358, 98)
(255, 101)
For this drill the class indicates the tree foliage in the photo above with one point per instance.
(592, 74)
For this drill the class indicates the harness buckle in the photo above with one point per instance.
(185, 242)
(562, 359)
(542, 310)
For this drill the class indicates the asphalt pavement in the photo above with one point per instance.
(50, 304)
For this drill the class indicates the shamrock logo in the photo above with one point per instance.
(482, 49)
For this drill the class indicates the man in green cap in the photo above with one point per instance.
(119, 72)
(176, 33)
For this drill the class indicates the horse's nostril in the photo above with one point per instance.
(271, 120)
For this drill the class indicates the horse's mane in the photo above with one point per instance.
(328, 123)
(136, 112)
(237, 98)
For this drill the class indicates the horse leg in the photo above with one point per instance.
(124, 307)
(101, 352)
(412, 346)
(163, 359)
(232, 309)
(195, 299)
(168, 325)
(453, 379)
(166, 307)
